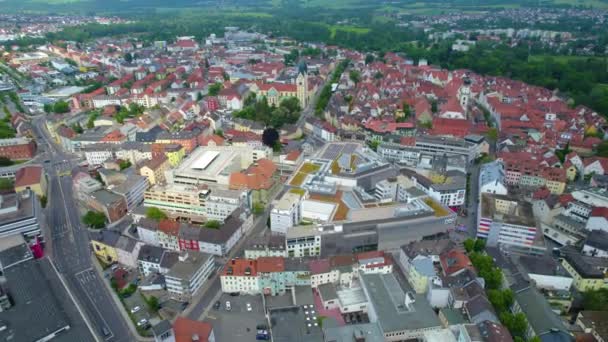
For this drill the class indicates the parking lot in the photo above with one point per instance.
(238, 324)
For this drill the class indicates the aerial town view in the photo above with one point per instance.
(304, 170)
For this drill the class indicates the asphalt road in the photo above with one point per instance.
(470, 220)
(68, 242)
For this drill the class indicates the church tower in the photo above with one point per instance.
(302, 84)
(464, 94)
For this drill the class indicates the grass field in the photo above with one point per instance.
(592, 3)
(560, 59)
(347, 28)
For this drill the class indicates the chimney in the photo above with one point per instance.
(409, 300)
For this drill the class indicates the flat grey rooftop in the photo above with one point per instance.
(41, 306)
(388, 300)
(291, 324)
(368, 332)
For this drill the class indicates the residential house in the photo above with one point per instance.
(154, 169)
(31, 177)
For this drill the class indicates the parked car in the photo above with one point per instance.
(234, 294)
(217, 305)
(135, 309)
(228, 307)
(105, 331)
(142, 322)
(249, 307)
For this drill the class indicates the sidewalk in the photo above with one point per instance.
(118, 303)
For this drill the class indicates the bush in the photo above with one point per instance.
(155, 214)
(213, 224)
(94, 219)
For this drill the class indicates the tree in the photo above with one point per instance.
(501, 299)
(291, 57)
(6, 184)
(492, 134)
(213, 224)
(469, 244)
(48, 108)
(354, 76)
(214, 89)
(480, 245)
(369, 58)
(94, 219)
(4, 161)
(61, 107)
(516, 323)
(434, 106)
(595, 299)
(124, 164)
(155, 214)
(43, 201)
(407, 112)
(199, 96)
(602, 149)
(152, 303)
(77, 128)
(219, 132)
(378, 75)
(292, 104)
(128, 57)
(270, 137)
(258, 208)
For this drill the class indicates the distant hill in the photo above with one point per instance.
(113, 6)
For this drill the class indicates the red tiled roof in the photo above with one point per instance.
(454, 261)
(293, 155)
(185, 329)
(239, 267)
(342, 260)
(319, 266)
(169, 227)
(599, 212)
(28, 175)
(271, 264)
(212, 138)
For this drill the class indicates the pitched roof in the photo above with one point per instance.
(271, 264)
(454, 261)
(240, 268)
(186, 330)
(155, 162)
(599, 212)
(28, 175)
(169, 227)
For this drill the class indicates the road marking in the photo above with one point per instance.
(86, 321)
(95, 307)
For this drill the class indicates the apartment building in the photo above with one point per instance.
(17, 148)
(303, 241)
(509, 223)
(196, 203)
(178, 200)
(154, 169)
(240, 275)
(20, 213)
(492, 178)
(189, 274)
(286, 213)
